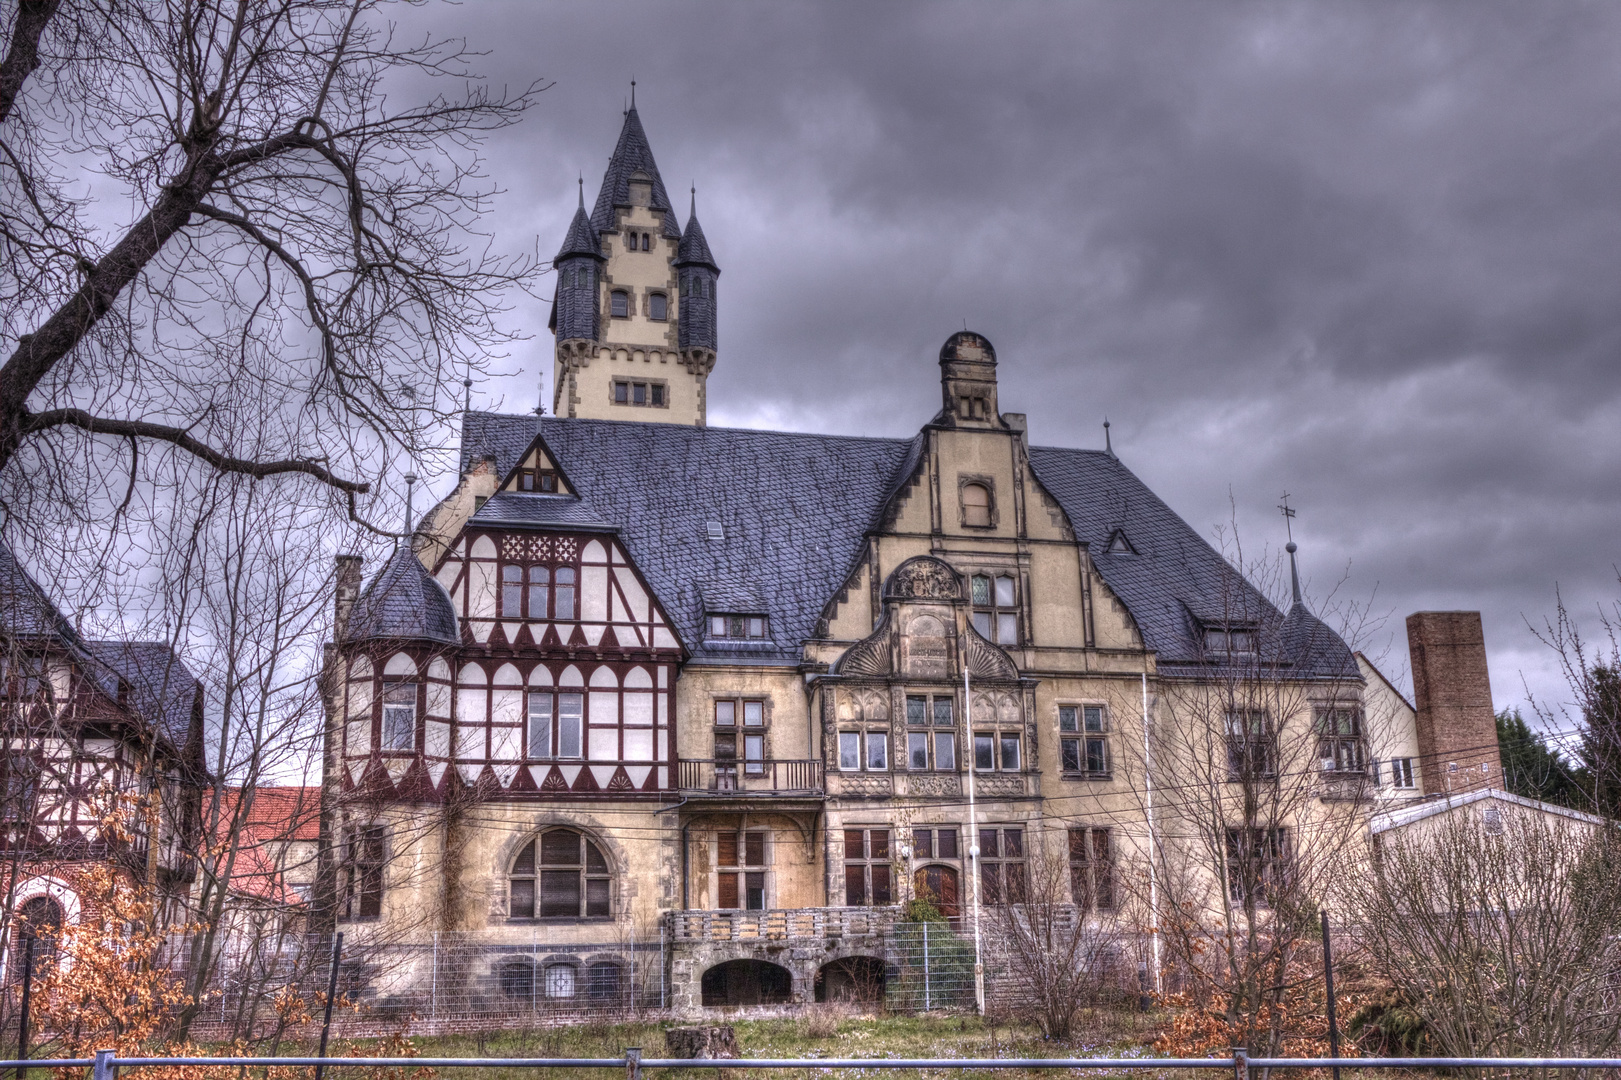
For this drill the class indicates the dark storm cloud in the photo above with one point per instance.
(1363, 252)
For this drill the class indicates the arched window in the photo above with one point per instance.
(518, 979)
(565, 593)
(620, 304)
(560, 875)
(559, 980)
(976, 506)
(658, 306)
(39, 920)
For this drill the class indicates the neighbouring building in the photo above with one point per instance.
(87, 723)
(650, 710)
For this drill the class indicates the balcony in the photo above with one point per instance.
(780, 924)
(730, 778)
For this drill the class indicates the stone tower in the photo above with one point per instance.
(634, 309)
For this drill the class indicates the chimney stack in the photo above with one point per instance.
(346, 592)
(1457, 728)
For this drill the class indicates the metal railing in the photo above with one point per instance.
(738, 776)
(105, 1064)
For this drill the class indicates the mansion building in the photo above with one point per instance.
(651, 709)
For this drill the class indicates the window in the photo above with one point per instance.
(1339, 741)
(555, 722)
(1088, 751)
(1257, 864)
(19, 787)
(638, 393)
(752, 712)
(1401, 773)
(560, 875)
(976, 506)
(1251, 744)
(1091, 869)
(360, 877)
(647, 242)
(563, 607)
(867, 750)
(730, 715)
(996, 612)
(996, 750)
(877, 751)
(740, 862)
(517, 979)
(619, 304)
(605, 981)
(39, 920)
(1492, 818)
(1001, 866)
(400, 716)
(934, 843)
(534, 585)
(559, 980)
(928, 749)
(866, 868)
(737, 627)
(543, 480)
(1229, 642)
(658, 306)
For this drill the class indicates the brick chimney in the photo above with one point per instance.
(345, 592)
(1457, 729)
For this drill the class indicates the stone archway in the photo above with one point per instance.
(747, 982)
(856, 979)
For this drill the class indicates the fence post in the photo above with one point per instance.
(104, 1068)
(1328, 976)
(1241, 1063)
(433, 984)
(633, 1063)
(927, 1004)
(331, 993)
(22, 1020)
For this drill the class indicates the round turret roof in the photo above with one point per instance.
(403, 603)
(969, 347)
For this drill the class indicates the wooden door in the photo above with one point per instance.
(938, 885)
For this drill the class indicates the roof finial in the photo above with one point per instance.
(694, 211)
(1288, 523)
(1108, 447)
(467, 392)
(582, 192)
(633, 93)
(410, 487)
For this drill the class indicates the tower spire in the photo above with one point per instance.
(410, 487)
(1294, 571)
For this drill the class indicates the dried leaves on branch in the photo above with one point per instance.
(210, 207)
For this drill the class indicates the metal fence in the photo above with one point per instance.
(105, 1065)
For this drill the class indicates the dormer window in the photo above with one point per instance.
(543, 480)
(1229, 642)
(737, 627)
(658, 306)
(619, 304)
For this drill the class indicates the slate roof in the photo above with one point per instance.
(694, 249)
(581, 238)
(25, 610)
(403, 603)
(796, 507)
(162, 690)
(1173, 582)
(632, 154)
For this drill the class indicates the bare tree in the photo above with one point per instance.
(1500, 930)
(296, 242)
(1592, 669)
(1055, 956)
(1258, 754)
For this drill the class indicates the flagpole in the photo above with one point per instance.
(973, 840)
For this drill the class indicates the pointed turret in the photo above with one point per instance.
(578, 265)
(698, 275)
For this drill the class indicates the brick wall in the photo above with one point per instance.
(1457, 729)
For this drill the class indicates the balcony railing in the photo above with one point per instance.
(736, 777)
(780, 923)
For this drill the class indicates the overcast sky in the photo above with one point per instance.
(1368, 253)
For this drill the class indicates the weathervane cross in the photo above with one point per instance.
(1288, 515)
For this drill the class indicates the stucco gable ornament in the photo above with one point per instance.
(923, 578)
(872, 656)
